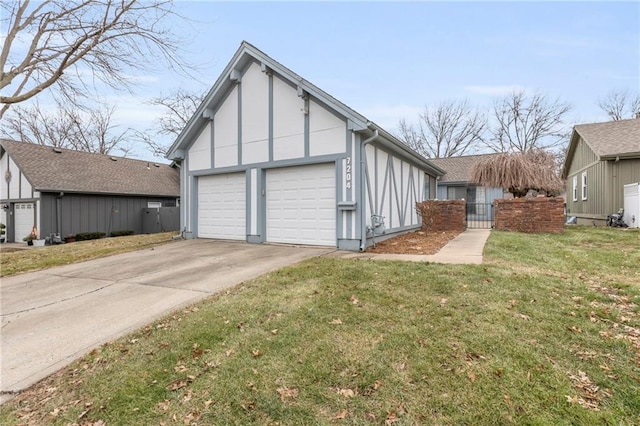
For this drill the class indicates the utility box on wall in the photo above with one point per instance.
(632, 205)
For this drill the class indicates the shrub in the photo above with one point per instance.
(121, 233)
(83, 236)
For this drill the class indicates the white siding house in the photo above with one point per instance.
(269, 157)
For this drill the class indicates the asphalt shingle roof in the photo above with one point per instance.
(77, 171)
(459, 168)
(612, 138)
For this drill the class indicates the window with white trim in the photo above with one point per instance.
(575, 188)
(584, 186)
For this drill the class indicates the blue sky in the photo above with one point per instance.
(387, 60)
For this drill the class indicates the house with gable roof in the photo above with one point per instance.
(456, 184)
(270, 157)
(62, 191)
(602, 158)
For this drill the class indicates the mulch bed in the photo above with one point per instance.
(419, 242)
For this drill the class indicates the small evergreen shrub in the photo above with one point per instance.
(121, 233)
(84, 236)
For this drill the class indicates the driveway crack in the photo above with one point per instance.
(75, 296)
(164, 286)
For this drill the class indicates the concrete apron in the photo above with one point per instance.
(53, 317)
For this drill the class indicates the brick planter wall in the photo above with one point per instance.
(446, 215)
(531, 215)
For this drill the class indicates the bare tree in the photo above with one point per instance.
(180, 105)
(71, 44)
(620, 104)
(524, 122)
(67, 127)
(520, 172)
(449, 129)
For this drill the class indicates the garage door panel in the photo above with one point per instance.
(222, 206)
(23, 220)
(301, 205)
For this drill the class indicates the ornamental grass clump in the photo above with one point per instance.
(520, 173)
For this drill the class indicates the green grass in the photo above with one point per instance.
(34, 259)
(367, 342)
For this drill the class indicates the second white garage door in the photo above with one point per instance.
(222, 206)
(301, 205)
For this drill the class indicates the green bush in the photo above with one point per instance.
(83, 236)
(121, 233)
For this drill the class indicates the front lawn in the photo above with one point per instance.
(547, 331)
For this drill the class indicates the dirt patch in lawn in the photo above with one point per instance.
(419, 242)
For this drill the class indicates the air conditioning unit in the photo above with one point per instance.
(632, 205)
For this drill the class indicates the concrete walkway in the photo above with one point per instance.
(466, 248)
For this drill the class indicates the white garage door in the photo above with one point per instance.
(301, 205)
(23, 214)
(222, 206)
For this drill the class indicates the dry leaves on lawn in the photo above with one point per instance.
(418, 242)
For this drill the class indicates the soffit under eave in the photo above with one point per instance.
(197, 121)
(573, 144)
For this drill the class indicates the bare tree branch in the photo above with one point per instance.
(524, 122)
(70, 43)
(449, 129)
(67, 127)
(180, 105)
(621, 104)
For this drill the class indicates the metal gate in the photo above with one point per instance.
(480, 216)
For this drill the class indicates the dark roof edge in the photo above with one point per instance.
(129, 194)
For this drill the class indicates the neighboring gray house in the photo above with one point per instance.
(66, 192)
(456, 185)
(269, 157)
(601, 159)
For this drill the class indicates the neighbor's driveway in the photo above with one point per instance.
(52, 317)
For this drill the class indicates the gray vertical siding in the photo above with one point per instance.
(93, 213)
(622, 173)
(605, 183)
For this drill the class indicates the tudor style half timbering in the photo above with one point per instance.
(269, 157)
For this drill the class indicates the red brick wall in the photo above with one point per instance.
(446, 215)
(531, 215)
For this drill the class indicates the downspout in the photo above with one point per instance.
(363, 164)
(59, 214)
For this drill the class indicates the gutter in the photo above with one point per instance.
(363, 163)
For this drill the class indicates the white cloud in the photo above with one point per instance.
(494, 90)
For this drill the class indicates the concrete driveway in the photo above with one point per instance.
(52, 317)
